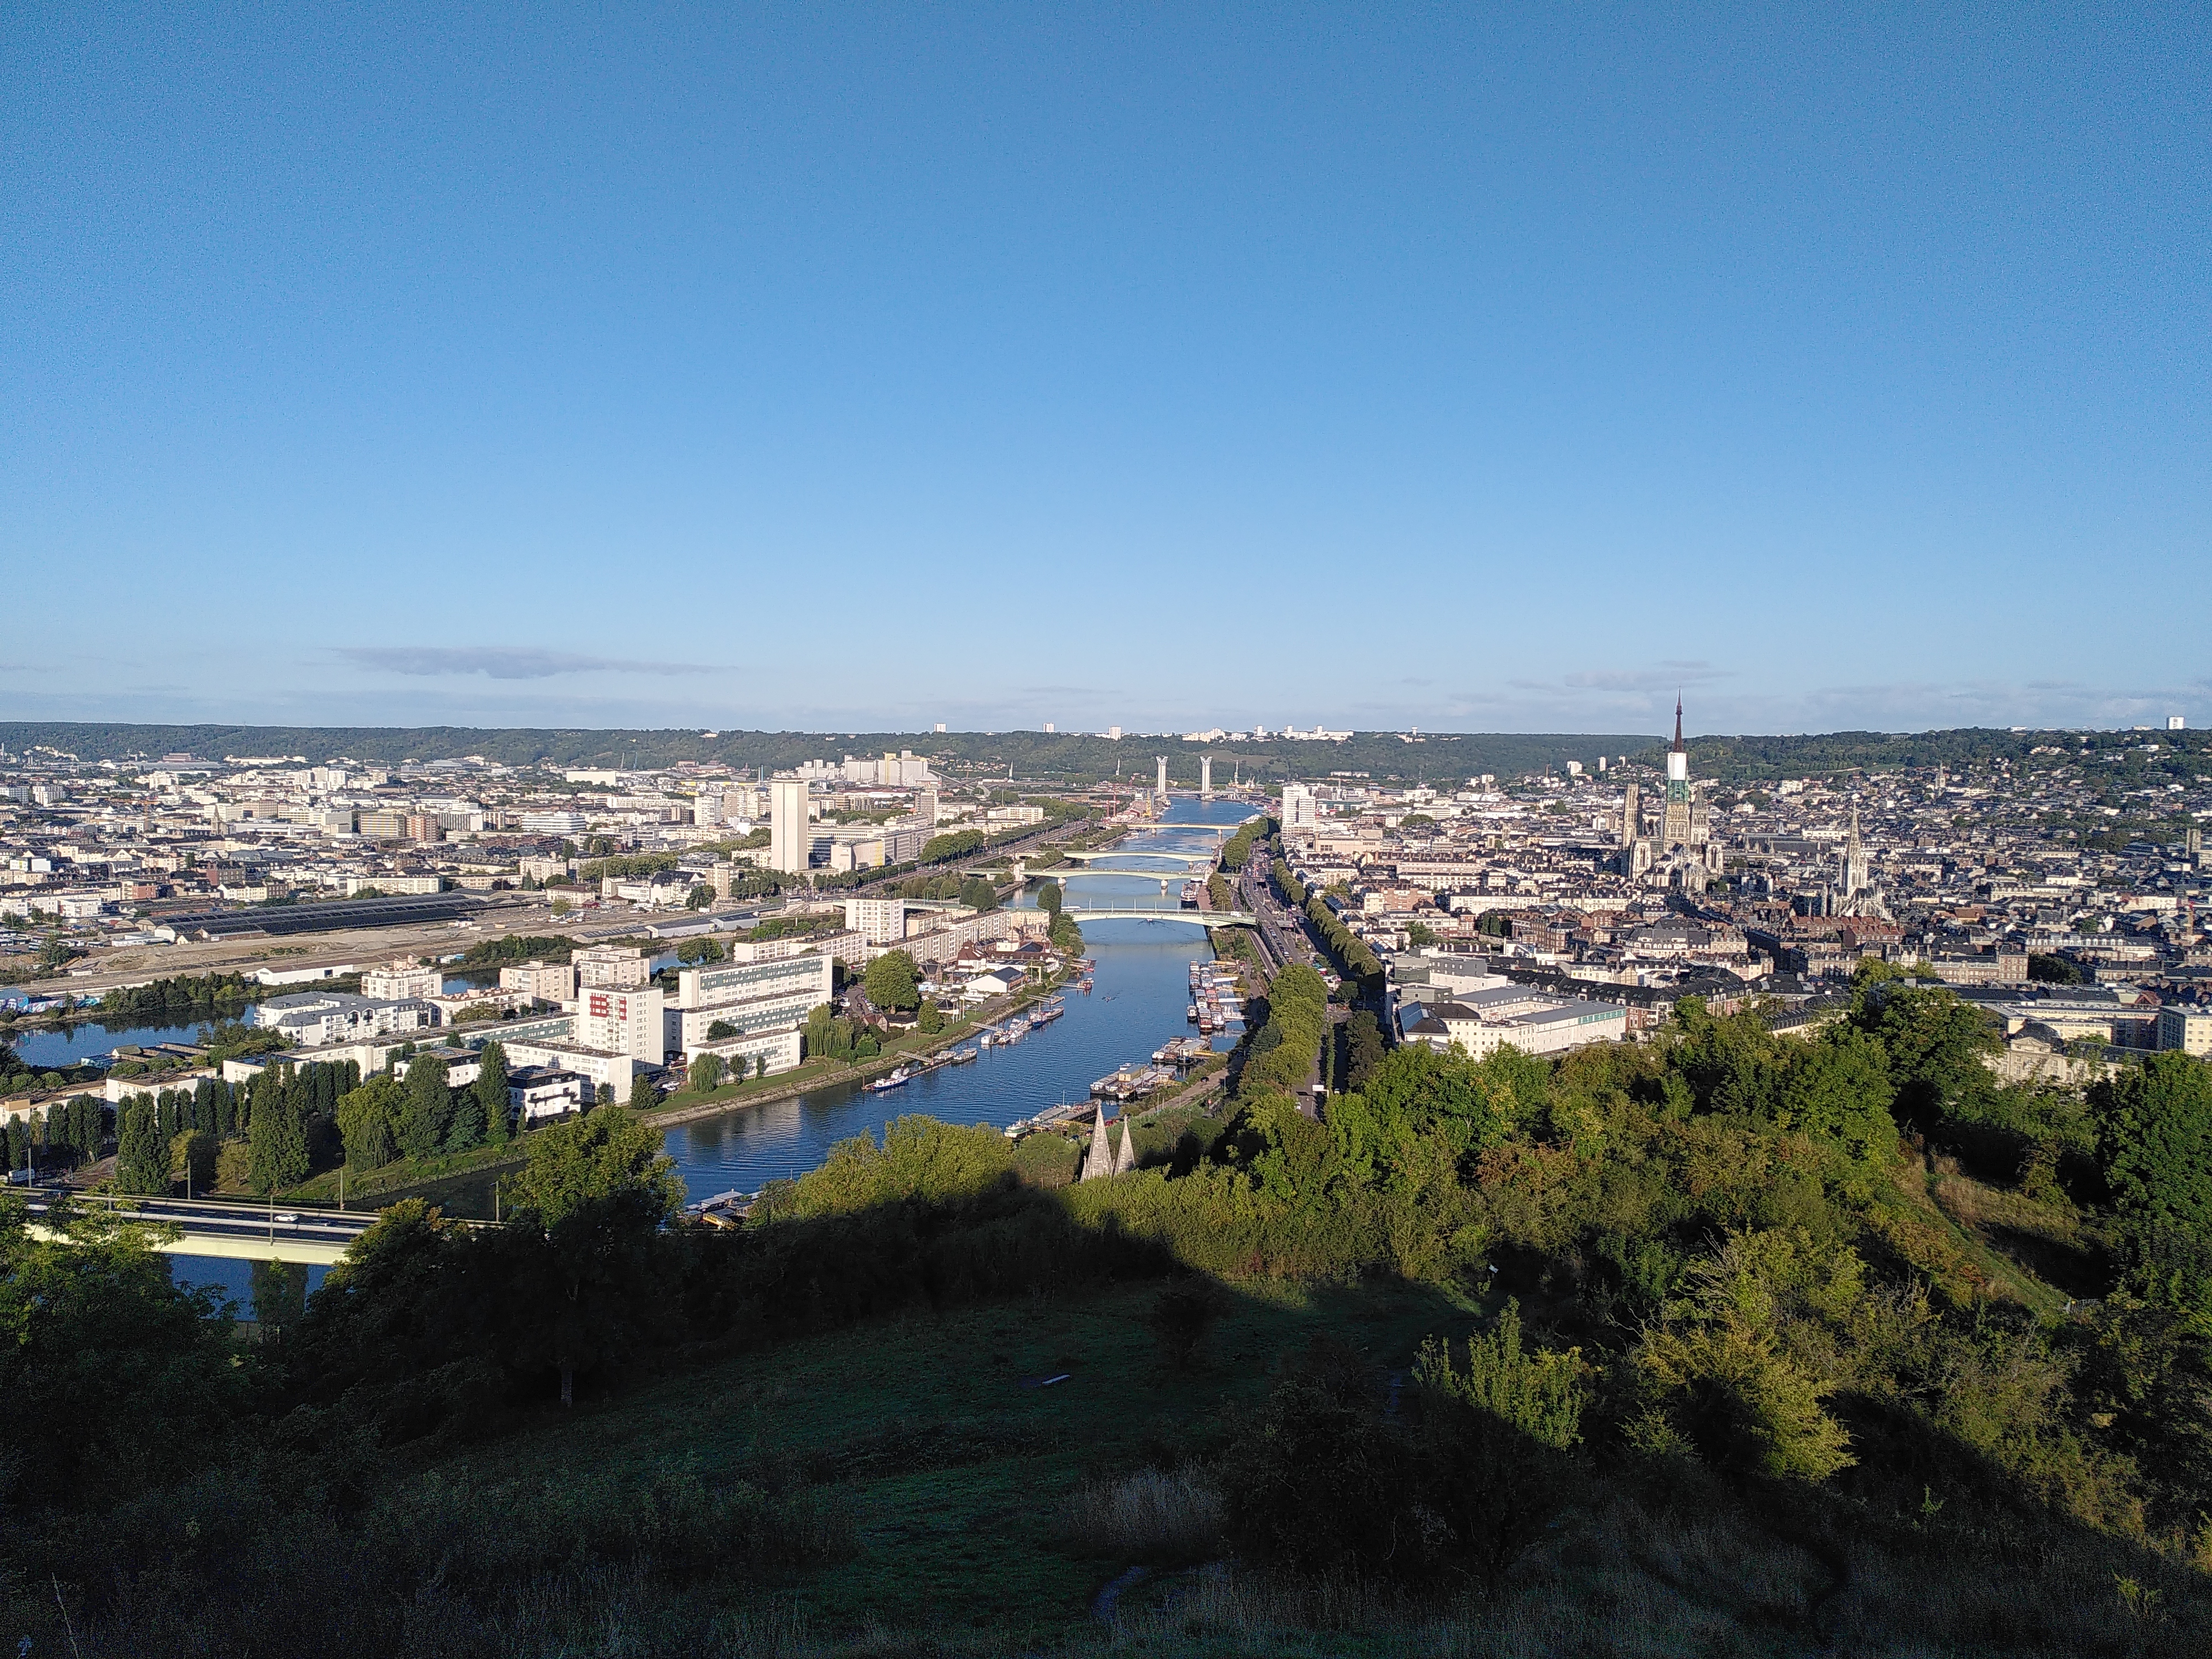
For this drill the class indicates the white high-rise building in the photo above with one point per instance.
(788, 842)
(878, 920)
(2176, 723)
(628, 1021)
(1299, 812)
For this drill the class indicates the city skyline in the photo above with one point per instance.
(805, 372)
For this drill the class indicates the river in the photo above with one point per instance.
(1140, 992)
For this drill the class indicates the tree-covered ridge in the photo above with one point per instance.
(1759, 759)
(1061, 757)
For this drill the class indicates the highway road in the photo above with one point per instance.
(230, 1228)
(1283, 933)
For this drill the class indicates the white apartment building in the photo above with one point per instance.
(547, 981)
(939, 935)
(610, 966)
(315, 1019)
(1300, 810)
(878, 921)
(751, 998)
(396, 980)
(624, 1022)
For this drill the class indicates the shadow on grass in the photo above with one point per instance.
(927, 1501)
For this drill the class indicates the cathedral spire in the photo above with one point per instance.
(1678, 748)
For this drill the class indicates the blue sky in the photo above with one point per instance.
(1481, 368)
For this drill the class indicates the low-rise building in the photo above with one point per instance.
(537, 1094)
(318, 1020)
(1517, 1016)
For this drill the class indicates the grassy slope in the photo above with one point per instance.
(966, 1550)
(953, 1474)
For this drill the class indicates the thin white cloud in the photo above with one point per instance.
(501, 662)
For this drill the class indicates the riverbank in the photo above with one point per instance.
(391, 1184)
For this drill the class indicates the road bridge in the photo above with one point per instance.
(1207, 919)
(1193, 861)
(235, 1231)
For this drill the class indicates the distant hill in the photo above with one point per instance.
(1064, 758)
(1750, 759)
(1442, 757)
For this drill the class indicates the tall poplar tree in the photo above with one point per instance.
(491, 1094)
(142, 1165)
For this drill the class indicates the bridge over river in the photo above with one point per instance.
(237, 1230)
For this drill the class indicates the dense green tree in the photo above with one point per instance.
(278, 1132)
(1048, 896)
(978, 894)
(1839, 1088)
(465, 1128)
(952, 844)
(2154, 1135)
(280, 1295)
(368, 1119)
(142, 1163)
(1464, 1105)
(491, 1094)
(1363, 1044)
(1936, 1043)
(427, 1108)
(706, 1074)
(893, 981)
(1066, 935)
(931, 1019)
(1497, 1441)
(595, 1193)
(116, 1378)
(826, 1035)
(644, 1093)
